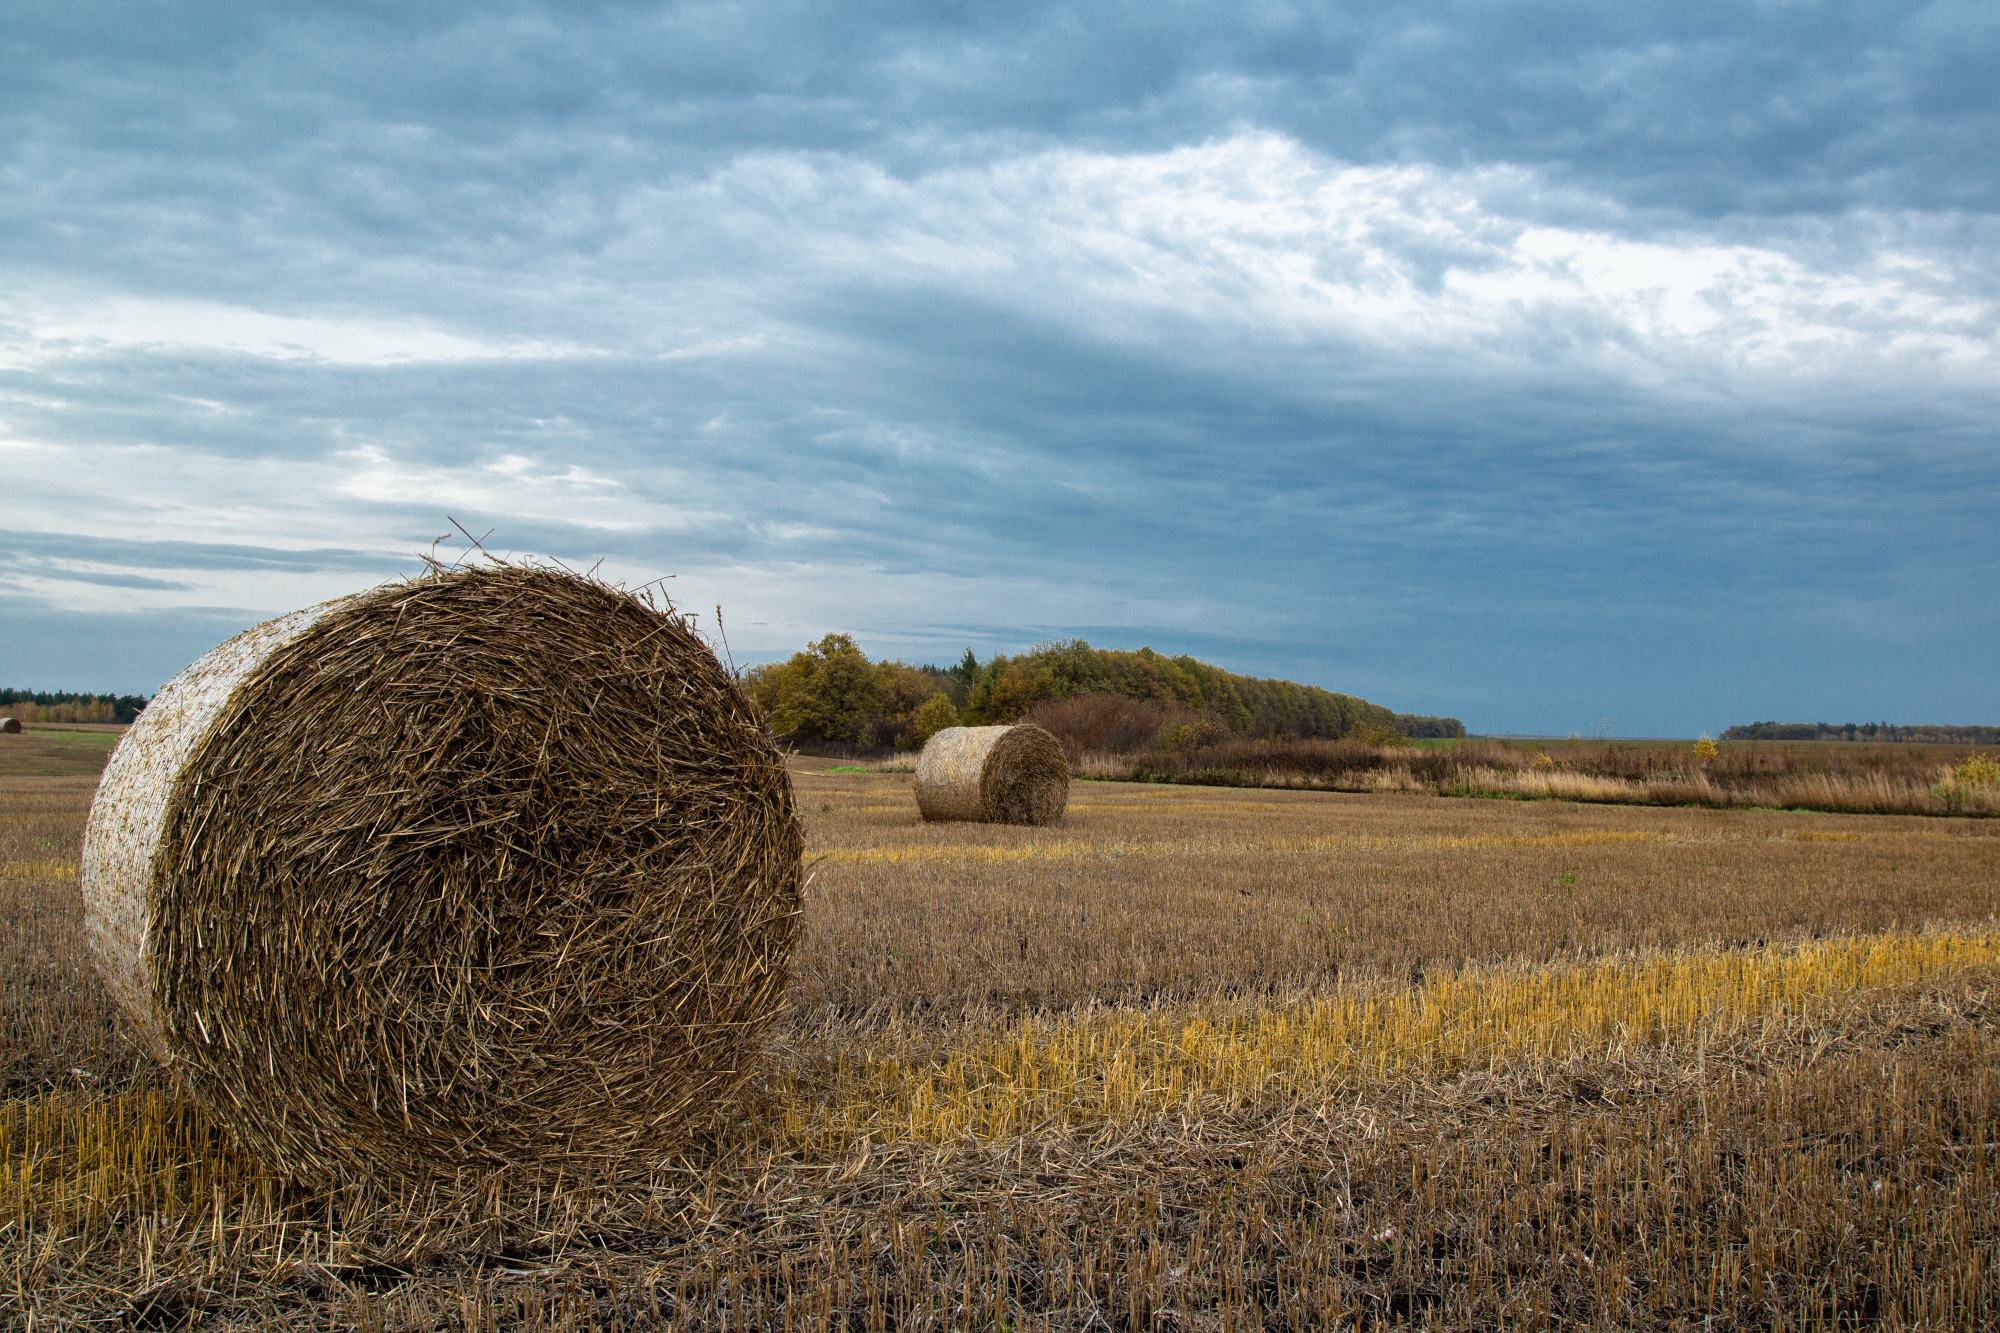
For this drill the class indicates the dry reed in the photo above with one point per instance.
(1831, 776)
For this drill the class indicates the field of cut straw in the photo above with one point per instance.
(1196, 1058)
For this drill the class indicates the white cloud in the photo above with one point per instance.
(519, 488)
(45, 331)
(1249, 240)
(1258, 236)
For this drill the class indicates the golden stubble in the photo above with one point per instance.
(1195, 1058)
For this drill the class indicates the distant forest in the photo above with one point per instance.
(1424, 727)
(63, 706)
(832, 692)
(1863, 731)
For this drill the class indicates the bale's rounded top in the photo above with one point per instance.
(493, 870)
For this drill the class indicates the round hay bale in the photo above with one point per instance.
(10, 725)
(993, 775)
(495, 870)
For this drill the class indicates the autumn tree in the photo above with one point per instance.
(832, 692)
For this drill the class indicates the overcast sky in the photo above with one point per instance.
(1537, 363)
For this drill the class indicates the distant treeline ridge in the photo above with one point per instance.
(64, 706)
(832, 692)
(1425, 727)
(1862, 731)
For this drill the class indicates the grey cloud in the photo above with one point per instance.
(491, 139)
(936, 434)
(1430, 537)
(58, 574)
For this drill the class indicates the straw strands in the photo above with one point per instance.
(492, 870)
(993, 775)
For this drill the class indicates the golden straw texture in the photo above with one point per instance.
(994, 775)
(492, 871)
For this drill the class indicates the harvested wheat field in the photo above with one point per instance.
(1196, 1058)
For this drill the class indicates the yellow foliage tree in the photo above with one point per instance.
(933, 716)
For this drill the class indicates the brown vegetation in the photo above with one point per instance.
(1884, 779)
(1199, 1059)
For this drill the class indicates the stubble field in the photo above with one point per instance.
(1197, 1059)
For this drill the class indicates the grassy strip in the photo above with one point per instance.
(1109, 1065)
(38, 870)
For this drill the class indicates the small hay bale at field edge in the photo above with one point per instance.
(494, 870)
(993, 775)
(10, 725)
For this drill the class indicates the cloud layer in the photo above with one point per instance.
(1533, 365)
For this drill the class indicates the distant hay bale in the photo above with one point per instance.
(994, 775)
(10, 725)
(495, 870)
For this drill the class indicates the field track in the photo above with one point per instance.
(1198, 1058)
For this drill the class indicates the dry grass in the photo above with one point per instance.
(1832, 776)
(1198, 1060)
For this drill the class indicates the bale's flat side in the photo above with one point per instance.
(1025, 779)
(950, 771)
(122, 837)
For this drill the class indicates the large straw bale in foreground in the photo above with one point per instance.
(10, 725)
(491, 870)
(994, 775)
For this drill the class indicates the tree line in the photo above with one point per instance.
(1862, 731)
(1420, 727)
(830, 691)
(65, 706)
